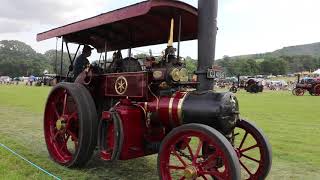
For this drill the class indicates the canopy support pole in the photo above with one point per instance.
(105, 56)
(61, 60)
(70, 59)
(75, 55)
(56, 60)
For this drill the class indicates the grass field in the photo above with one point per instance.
(291, 123)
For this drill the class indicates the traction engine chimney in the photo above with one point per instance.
(207, 31)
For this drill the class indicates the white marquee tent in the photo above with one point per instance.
(316, 72)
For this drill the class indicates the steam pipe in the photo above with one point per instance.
(207, 31)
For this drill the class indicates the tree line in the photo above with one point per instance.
(269, 65)
(19, 59)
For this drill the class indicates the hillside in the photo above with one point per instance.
(298, 50)
(306, 49)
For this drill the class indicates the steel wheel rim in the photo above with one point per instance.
(261, 168)
(200, 165)
(61, 126)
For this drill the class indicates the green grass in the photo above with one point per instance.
(291, 123)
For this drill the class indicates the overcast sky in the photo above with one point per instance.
(245, 26)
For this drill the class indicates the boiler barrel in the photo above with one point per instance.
(218, 110)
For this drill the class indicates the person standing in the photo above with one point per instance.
(81, 61)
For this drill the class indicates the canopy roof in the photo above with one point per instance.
(141, 24)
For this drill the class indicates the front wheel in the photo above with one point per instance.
(70, 124)
(253, 150)
(181, 155)
(299, 91)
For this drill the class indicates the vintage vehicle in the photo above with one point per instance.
(253, 86)
(126, 110)
(312, 85)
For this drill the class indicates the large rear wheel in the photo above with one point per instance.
(181, 155)
(70, 124)
(253, 150)
(316, 90)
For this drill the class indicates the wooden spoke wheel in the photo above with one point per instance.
(253, 150)
(181, 155)
(299, 92)
(316, 90)
(70, 123)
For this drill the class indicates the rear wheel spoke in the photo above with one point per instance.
(73, 136)
(55, 136)
(65, 102)
(245, 167)
(243, 139)
(55, 110)
(249, 148)
(65, 142)
(252, 159)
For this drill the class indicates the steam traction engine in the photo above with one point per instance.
(129, 111)
(312, 85)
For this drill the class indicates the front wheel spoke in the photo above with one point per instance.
(177, 167)
(210, 159)
(194, 160)
(190, 150)
(252, 159)
(212, 172)
(179, 157)
(245, 167)
(249, 148)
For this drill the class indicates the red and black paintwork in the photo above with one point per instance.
(137, 113)
(312, 85)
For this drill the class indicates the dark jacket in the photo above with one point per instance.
(79, 65)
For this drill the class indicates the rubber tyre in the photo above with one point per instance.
(87, 120)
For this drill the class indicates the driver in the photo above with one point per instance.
(81, 62)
